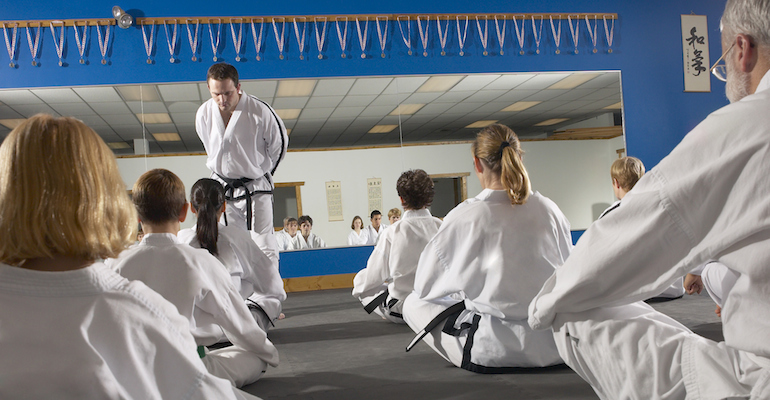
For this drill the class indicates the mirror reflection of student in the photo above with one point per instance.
(307, 239)
(357, 236)
(374, 230)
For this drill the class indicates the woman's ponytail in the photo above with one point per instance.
(207, 197)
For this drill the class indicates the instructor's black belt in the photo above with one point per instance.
(232, 184)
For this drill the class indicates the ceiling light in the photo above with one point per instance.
(295, 88)
(382, 128)
(521, 105)
(11, 123)
(289, 113)
(552, 121)
(154, 118)
(439, 83)
(407, 109)
(139, 93)
(167, 137)
(118, 145)
(573, 81)
(616, 106)
(481, 124)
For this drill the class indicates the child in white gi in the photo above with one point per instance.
(374, 230)
(486, 263)
(71, 326)
(253, 274)
(389, 274)
(358, 235)
(307, 239)
(194, 281)
(625, 172)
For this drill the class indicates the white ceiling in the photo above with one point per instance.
(339, 112)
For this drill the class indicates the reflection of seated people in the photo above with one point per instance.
(625, 172)
(287, 237)
(358, 235)
(194, 281)
(716, 278)
(374, 230)
(389, 274)
(307, 239)
(394, 215)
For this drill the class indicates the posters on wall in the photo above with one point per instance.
(334, 200)
(695, 51)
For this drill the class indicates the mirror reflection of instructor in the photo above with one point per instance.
(245, 140)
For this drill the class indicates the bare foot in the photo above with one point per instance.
(281, 316)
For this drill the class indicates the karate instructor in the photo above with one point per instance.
(245, 140)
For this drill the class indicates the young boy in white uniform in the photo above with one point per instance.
(253, 274)
(71, 327)
(307, 239)
(625, 172)
(245, 140)
(194, 281)
(287, 238)
(389, 274)
(374, 230)
(705, 201)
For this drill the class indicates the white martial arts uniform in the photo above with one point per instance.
(358, 239)
(673, 291)
(251, 146)
(91, 334)
(717, 279)
(312, 242)
(257, 279)
(282, 238)
(706, 201)
(372, 234)
(393, 263)
(201, 289)
(493, 256)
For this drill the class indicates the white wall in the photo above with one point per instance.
(574, 174)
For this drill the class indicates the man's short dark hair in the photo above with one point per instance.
(375, 212)
(416, 189)
(306, 218)
(223, 71)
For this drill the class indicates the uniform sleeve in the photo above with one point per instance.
(259, 271)
(275, 137)
(229, 311)
(369, 280)
(201, 124)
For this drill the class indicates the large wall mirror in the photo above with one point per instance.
(372, 125)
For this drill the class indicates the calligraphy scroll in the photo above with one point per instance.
(374, 193)
(334, 200)
(695, 50)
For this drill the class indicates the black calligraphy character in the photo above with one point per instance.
(695, 38)
(697, 62)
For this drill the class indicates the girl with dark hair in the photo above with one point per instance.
(252, 272)
(487, 262)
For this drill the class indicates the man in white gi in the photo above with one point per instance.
(389, 274)
(708, 200)
(374, 230)
(245, 141)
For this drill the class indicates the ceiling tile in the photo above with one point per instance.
(323, 101)
(316, 114)
(30, 110)
(333, 87)
(474, 82)
(110, 108)
(180, 92)
(150, 107)
(290, 102)
(261, 89)
(19, 97)
(183, 107)
(73, 109)
(57, 95)
(98, 94)
(369, 86)
(357, 101)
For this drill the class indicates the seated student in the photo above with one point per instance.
(251, 270)
(194, 281)
(389, 274)
(394, 215)
(70, 326)
(716, 278)
(358, 235)
(486, 263)
(287, 238)
(625, 172)
(307, 239)
(374, 230)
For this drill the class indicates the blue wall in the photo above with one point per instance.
(647, 50)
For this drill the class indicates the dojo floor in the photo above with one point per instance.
(331, 349)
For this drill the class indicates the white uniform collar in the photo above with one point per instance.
(423, 212)
(160, 239)
(764, 83)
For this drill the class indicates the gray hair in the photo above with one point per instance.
(750, 17)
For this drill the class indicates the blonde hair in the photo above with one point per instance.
(627, 171)
(394, 211)
(61, 193)
(498, 147)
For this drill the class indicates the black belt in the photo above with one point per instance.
(376, 302)
(252, 305)
(232, 184)
(453, 309)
